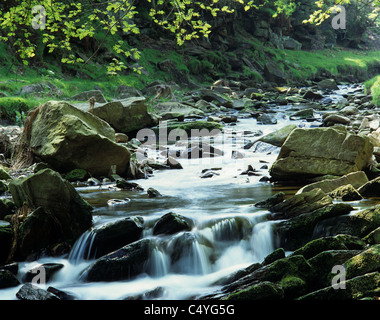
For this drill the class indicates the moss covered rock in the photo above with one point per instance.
(262, 291)
(355, 288)
(61, 215)
(68, 138)
(339, 242)
(321, 151)
(365, 262)
(296, 232)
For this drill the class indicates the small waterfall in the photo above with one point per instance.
(262, 241)
(187, 255)
(231, 229)
(158, 264)
(82, 249)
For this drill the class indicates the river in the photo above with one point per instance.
(229, 232)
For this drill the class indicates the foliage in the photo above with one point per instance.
(368, 9)
(373, 87)
(38, 27)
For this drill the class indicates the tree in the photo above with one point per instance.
(61, 23)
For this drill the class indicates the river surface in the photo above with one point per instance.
(229, 232)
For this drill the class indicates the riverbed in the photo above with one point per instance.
(229, 233)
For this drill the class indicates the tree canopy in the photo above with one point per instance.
(57, 25)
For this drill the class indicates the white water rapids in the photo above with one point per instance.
(229, 232)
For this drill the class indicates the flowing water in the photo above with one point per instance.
(229, 232)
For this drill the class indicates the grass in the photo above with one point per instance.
(373, 86)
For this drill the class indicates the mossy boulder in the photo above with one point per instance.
(127, 115)
(323, 263)
(67, 138)
(296, 232)
(346, 193)
(262, 291)
(356, 288)
(300, 204)
(309, 153)
(365, 262)
(338, 242)
(60, 213)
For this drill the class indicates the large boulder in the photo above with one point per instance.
(114, 235)
(60, 214)
(126, 115)
(308, 153)
(68, 138)
(171, 110)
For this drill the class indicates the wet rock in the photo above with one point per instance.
(316, 152)
(300, 204)
(8, 279)
(266, 119)
(296, 232)
(127, 185)
(272, 201)
(346, 193)
(32, 292)
(171, 223)
(327, 84)
(123, 264)
(62, 295)
(309, 94)
(114, 235)
(336, 118)
(153, 193)
(43, 271)
(60, 133)
(358, 224)
(371, 188)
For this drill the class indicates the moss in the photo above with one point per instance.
(262, 291)
(293, 286)
(365, 262)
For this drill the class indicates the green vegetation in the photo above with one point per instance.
(373, 86)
